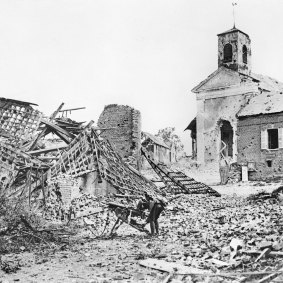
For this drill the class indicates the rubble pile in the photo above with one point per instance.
(235, 173)
(206, 227)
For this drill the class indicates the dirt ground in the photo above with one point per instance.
(87, 259)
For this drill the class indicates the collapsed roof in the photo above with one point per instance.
(263, 103)
(26, 163)
(155, 140)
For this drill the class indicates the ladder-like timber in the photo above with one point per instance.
(177, 182)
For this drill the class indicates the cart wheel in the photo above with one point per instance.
(100, 224)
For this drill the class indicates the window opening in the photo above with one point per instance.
(228, 54)
(245, 54)
(273, 140)
(269, 163)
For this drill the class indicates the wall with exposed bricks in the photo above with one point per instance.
(124, 131)
(209, 117)
(68, 187)
(249, 146)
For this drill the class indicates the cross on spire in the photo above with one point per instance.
(234, 3)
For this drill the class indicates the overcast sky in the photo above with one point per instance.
(147, 54)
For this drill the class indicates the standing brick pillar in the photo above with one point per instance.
(126, 137)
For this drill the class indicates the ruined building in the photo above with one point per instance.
(121, 126)
(239, 113)
(84, 161)
(158, 150)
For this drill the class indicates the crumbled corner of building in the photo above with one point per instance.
(122, 126)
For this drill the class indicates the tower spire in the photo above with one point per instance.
(234, 3)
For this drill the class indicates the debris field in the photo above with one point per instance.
(47, 234)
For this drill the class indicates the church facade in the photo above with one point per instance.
(227, 100)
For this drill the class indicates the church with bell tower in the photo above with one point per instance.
(224, 96)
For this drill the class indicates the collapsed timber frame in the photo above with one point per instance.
(26, 166)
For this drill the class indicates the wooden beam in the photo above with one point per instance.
(48, 158)
(57, 128)
(44, 131)
(46, 150)
(62, 137)
(170, 267)
(72, 109)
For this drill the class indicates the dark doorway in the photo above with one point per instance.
(227, 139)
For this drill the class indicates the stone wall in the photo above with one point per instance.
(249, 146)
(124, 133)
(210, 114)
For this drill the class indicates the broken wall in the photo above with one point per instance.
(249, 146)
(93, 184)
(123, 130)
(214, 111)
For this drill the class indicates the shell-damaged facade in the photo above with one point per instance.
(239, 113)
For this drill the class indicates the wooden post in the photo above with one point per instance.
(29, 187)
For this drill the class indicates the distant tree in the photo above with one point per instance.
(169, 136)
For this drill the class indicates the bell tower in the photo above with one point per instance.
(234, 51)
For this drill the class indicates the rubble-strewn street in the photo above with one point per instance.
(196, 232)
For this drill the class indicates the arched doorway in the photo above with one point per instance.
(226, 131)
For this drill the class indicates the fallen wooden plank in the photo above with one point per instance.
(45, 130)
(265, 252)
(47, 158)
(46, 150)
(271, 276)
(57, 128)
(254, 252)
(170, 267)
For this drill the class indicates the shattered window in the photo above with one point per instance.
(228, 54)
(245, 54)
(273, 138)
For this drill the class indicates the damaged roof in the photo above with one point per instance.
(267, 83)
(263, 103)
(2, 99)
(268, 100)
(224, 78)
(156, 140)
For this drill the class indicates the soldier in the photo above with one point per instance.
(155, 207)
